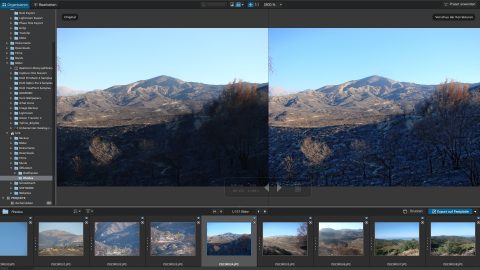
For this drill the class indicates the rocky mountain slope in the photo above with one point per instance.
(117, 238)
(365, 100)
(58, 238)
(229, 244)
(143, 102)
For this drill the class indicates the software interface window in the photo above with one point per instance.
(240, 134)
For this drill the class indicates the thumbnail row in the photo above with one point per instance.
(235, 238)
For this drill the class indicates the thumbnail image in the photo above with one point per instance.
(453, 239)
(397, 239)
(229, 239)
(172, 238)
(117, 239)
(340, 239)
(60, 239)
(13, 239)
(366, 107)
(163, 107)
(285, 238)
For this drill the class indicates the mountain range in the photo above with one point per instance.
(344, 234)
(117, 238)
(143, 102)
(358, 101)
(58, 238)
(230, 244)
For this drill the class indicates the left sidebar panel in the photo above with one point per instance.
(27, 106)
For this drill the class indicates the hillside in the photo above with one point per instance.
(285, 245)
(229, 244)
(59, 243)
(376, 132)
(164, 132)
(343, 242)
(172, 239)
(117, 238)
(445, 245)
(361, 101)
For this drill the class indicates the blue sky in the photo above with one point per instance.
(312, 58)
(216, 228)
(97, 58)
(341, 225)
(453, 228)
(71, 227)
(281, 228)
(397, 230)
(13, 239)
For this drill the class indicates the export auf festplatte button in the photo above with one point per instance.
(450, 211)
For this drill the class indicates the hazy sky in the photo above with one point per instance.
(13, 239)
(312, 58)
(216, 228)
(396, 230)
(341, 225)
(97, 58)
(71, 227)
(281, 228)
(453, 228)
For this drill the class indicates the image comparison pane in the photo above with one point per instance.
(374, 106)
(117, 239)
(60, 239)
(13, 239)
(397, 239)
(452, 239)
(172, 239)
(285, 238)
(370, 112)
(164, 107)
(229, 239)
(340, 239)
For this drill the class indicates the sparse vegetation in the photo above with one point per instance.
(137, 135)
(293, 245)
(453, 246)
(400, 247)
(421, 136)
(315, 154)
